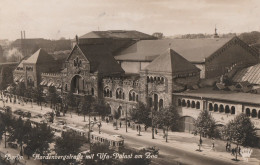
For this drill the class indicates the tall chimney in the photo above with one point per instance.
(24, 34)
(21, 34)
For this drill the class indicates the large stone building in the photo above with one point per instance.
(125, 67)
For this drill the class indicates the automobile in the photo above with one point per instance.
(61, 122)
(18, 112)
(152, 149)
(27, 114)
(37, 116)
(12, 145)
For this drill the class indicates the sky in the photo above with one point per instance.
(53, 19)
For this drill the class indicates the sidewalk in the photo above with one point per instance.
(180, 140)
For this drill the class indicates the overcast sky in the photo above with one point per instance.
(52, 19)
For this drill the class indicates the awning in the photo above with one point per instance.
(21, 79)
(42, 83)
(16, 78)
(49, 84)
(45, 83)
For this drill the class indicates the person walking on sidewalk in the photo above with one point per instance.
(120, 124)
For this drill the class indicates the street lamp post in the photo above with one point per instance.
(126, 119)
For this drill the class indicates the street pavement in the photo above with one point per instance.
(176, 151)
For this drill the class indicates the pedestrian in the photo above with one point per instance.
(200, 141)
(227, 146)
(120, 124)
(239, 150)
(156, 131)
(107, 120)
(145, 128)
(137, 128)
(129, 124)
(233, 151)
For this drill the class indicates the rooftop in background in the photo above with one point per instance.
(171, 62)
(100, 59)
(250, 74)
(39, 57)
(118, 34)
(194, 50)
(222, 95)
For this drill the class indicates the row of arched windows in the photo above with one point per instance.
(158, 80)
(220, 108)
(189, 103)
(77, 62)
(121, 95)
(253, 113)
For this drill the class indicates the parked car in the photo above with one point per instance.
(18, 112)
(12, 145)
(27, 114)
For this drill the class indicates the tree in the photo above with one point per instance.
(21, 132)
(116, 116)
(87, 103)
(39, 95)
(141, 114)
(71, 100)
(205, 124)
(7, 121)
(39, 139)
(52, 96)
(167, 118)
(241, 131)
(101, 108)
(20, 90)
(69, 143)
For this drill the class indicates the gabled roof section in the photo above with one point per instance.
(130, 34)
(194, 50)
(250, 74)
(100, 58)
(171, 62)
(39, 57)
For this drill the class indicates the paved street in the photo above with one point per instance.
(173, 152)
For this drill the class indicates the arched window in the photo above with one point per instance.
(254, 113)
(188, 103)
(151, 79)
(110, 93)
(117, 95)
(92, 91)
(210, 107)
(193, 104)
(221, 108)
(183, 103)
(130, 97)
(123, 96)
(248, 112)
(148, 80)
(150, 101)
(233, 110)
(215, 107)
(179, 102)
(133, 96)
(136, 98)
(120, 94)
(160, 103)
(66, 87)
(259, 114)
(105, 93)
(162, 80)
(227, 110)
(197, 105)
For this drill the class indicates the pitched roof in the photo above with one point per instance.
(131, 34)
(194, 50)
(171, 62)
(39, 57)
(100, 59)
(250, 74)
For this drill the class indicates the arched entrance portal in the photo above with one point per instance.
(119, 110)
(77, 84)
(187, 124)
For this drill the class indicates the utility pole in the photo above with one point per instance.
(152, 123)
(126, 119)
